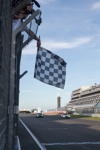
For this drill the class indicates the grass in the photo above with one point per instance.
(85, 117)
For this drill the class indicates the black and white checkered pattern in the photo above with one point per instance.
(50, 68)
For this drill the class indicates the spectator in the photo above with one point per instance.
(22, 14)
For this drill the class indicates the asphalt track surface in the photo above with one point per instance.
(55, 133)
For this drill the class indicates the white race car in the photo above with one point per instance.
(67, 116)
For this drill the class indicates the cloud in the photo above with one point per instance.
(45, 1)
(96, 6)
(56, 45)
(67, 45)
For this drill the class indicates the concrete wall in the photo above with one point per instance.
(5, 52)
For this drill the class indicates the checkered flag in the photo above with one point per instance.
(50, 68)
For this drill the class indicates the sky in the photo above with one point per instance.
(70, 29)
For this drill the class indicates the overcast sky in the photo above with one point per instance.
(70, 29)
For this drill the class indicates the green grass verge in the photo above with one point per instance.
(85, 117)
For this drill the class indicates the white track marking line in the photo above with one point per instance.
(70, 143)
(18, 143)
(33, 136)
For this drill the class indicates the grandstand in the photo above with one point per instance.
(85, 99)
